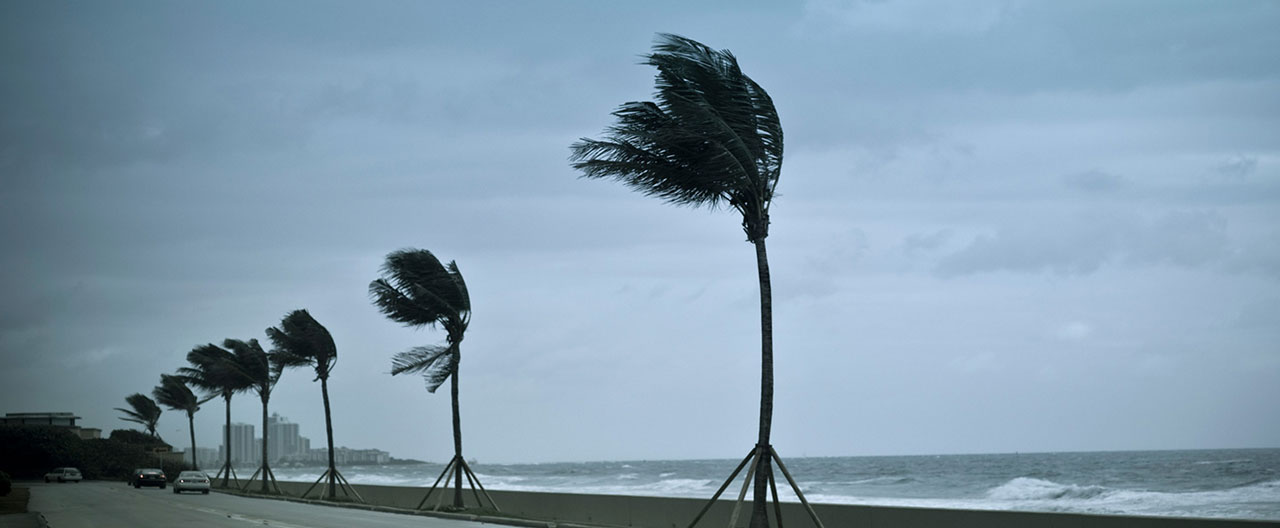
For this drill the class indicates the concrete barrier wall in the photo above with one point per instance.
(664, 512)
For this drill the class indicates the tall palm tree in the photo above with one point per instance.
(300, 340)
(417, 290)
(261, 370)
(144, 411)
(174, 394)
(213, 371)
(711, 139)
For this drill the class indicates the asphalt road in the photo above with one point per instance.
(117, 505)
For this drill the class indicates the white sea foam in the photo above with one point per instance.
(1216, 462)
(884, 480)
(1036, 494)
(1024, 488)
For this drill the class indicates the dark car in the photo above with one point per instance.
(148, 477)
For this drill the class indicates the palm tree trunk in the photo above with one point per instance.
(191, 426)
(328, 430)
(265, 489)
(226, 442)
(457, 435)
(759, 515)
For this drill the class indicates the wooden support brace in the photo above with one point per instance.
(720, 491)
(436, 483)
(812, 514)
(746, 483)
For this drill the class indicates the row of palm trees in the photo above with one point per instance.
(416, 289)
(712, 138)
(244, 366)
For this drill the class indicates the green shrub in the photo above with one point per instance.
(6, 485)
(31, 451)
(136, 437)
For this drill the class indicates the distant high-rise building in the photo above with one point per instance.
(207, 458)
(283, 439)
(244, 448)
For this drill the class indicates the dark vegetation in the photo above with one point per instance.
(31, 451)
(6, 484)
(15, 501)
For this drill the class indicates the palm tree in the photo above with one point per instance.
(302, 341)
(261, 370)
(417, 290)
(174, 394)
(143, 411)
(213, 371)
(712, 139)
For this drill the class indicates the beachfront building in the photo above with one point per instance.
(56, 419)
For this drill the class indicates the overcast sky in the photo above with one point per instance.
(1001, 226)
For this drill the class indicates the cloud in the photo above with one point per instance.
(910, 16)
(1094, 181)
(1082, 244)
(845, 250)
(1074, 331)
(917, 243)
(1239, 167)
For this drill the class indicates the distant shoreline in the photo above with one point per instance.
(299, 465)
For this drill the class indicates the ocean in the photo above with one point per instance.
(1229, 483)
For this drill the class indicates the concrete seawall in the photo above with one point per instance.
(663, 512)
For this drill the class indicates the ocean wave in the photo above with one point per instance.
(885, 480)
(1216, 462)
(1026, 488)
(1036, 494)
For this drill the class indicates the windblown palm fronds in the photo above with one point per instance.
(213, 371)
(711, 138)
(260, 370)
(416, 289)
(300, 341)
(143, 410)
(174, 394)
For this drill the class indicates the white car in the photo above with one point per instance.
(191, 481)
(63, 474)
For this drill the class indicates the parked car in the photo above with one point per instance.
(148, 477)
(191, 481)
(63, 474)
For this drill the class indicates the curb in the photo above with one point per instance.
(490, 519)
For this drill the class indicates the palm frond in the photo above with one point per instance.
(143, 410)
(174, 393)
(712, 137)
(301, 340)
(418, 290)
(254, 365)
(435, 363)
(400, 307)
(212, 371)
(460, 286)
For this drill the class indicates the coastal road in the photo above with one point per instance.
(117, 505)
